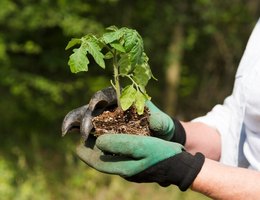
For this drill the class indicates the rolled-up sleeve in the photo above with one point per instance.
(227, 119)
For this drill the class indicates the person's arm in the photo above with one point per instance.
(202, 138)
(219, 181)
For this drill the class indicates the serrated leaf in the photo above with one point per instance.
(144, 58)
(127, 97)
(78, 61)
(140, 102)
(112, 36)
(131, 38)
(118, 47)
(133, 45)
(94, 49)
(124, 65)
(108, 55)
(73, 42)
(142, 74)
(136, 53)
(112, 28)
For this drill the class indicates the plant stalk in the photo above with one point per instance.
(116, 79)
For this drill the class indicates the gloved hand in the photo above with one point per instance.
(160, 123)
(165, 127)
(142, 159)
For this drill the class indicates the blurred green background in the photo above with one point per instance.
(194, 49)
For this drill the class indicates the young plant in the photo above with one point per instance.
(125, 48)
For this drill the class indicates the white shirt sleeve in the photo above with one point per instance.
(228, 118)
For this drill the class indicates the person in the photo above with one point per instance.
(217, 154)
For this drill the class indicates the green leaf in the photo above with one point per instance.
(140, 102)
(94, 49)
(73, 42)
(112, 36)
(112, 28)
(118, 47)
(136, 53)
(124, 65)
(142, 74)
(144, 60)
(127, 97)
(131, 38)
(78, 61)
(133, 45)
(108, 55)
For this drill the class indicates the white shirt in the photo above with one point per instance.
(238, 118)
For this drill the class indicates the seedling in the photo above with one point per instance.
(124, 47)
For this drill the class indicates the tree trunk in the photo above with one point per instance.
(173, 70)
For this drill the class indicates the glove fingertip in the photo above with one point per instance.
(104, 140)
(80, 149)
(162, 125)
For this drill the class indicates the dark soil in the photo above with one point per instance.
(119, 121)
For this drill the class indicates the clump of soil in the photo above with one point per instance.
(118, 121)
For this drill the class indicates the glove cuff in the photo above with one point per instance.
(180, 170)
(186, 167)
(179, 134)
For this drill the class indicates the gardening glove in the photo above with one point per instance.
(80, 119)
(142, 159)
(165, 127)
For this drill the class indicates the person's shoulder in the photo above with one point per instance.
(250, 61)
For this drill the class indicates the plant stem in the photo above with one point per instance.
(129, 76)
(116, 79)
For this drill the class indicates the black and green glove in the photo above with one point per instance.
(165, 127)
(142, 159)
(136, 158)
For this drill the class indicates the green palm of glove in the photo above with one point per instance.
(160, 123)
(126, 155)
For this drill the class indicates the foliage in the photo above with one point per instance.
(124, 47)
